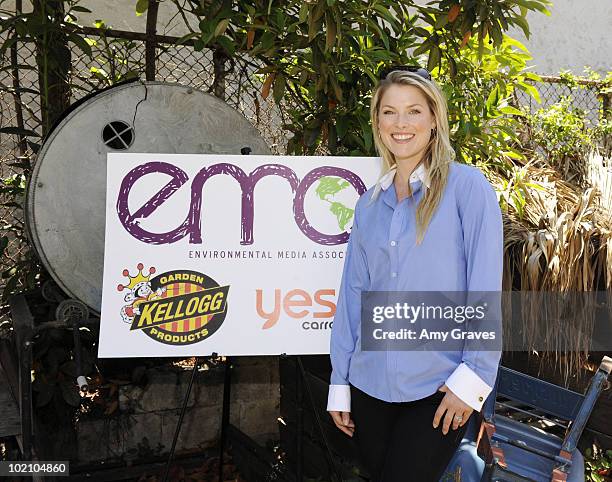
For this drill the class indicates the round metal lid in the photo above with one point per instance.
(65, 206)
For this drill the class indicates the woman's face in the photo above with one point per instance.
(405, 122)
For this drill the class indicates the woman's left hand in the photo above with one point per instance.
(457, 411)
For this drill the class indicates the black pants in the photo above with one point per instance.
(397, 441)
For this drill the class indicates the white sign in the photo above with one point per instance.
(235, 255)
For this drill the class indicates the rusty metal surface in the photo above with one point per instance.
(66, 197)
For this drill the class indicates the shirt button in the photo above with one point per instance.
(393, 275)
(393, 243)
(480, 399)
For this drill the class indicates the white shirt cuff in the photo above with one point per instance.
(339, 398)
(468, 386)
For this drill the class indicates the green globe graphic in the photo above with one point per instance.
(327, 189)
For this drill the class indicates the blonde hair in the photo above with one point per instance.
(438, 152)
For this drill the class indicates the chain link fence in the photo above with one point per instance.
(116, 57)
(113, 59)
(585, 96)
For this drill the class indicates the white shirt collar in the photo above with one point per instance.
(419, 174)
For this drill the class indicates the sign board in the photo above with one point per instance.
(235, 255)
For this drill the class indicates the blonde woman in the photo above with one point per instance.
(429, 224)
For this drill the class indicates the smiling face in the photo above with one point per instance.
(405, 122)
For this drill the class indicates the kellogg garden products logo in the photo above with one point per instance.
(176, 308)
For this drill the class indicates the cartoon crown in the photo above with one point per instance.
(134, 280)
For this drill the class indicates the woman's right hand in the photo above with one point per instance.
(343, 421)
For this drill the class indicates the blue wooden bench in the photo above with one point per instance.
(497, 447)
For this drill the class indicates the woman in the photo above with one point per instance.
(429, 224)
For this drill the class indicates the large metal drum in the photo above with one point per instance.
(66, 195)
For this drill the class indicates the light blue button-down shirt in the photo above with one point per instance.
(462, 250)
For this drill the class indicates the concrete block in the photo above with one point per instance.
(129, 431)
(201, 428)
(235, 411)
(130, 398)
(208, 388)
(164, 391)
(148, 415)
(92, 440)
(256, 379)
(259, 417)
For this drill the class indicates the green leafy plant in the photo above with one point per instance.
(598, 464)
(48, 28)
(55, 369)
(23, 273)
(113, 59)
(514, 190)
(321, 58)
(562, 137)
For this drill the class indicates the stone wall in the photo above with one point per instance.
(146, 418)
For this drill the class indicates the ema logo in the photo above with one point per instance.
(176, 308)
(330, 180)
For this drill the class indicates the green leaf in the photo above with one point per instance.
(441, 21)
(4, 240)
(337, 89)
(311, 136)
(366, 131)
(512, 110)
(18, 131)
(221, 27)
(515, 43)
(513, 154)
(533, 5)
(342, 126)
(314, 26)
(385, 13)
(492, 99)
(531, 90)
(79, 8)
(434, 58)
(141, 6)
(228, 45)
(533, 76)
(330, 37)
(190, 35)
(421, 49)
(198, 45)
(522, 23)
(279, 88)
(81, 43)
(332, 140)
(303, 12)
(496, 34)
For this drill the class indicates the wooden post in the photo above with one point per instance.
(23, 146)
(607, 114)
(219, 60)
(54, 62)
(151, 43)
